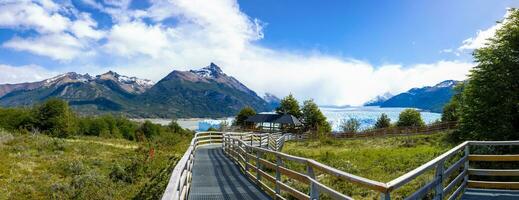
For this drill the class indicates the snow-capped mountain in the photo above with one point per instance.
(130, 84)
(206, 92)
(431, 98)
(379, 99)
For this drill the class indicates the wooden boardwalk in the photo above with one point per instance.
(216, 177)
(247, 166)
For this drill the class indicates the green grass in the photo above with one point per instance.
(41, 167)
(380, 159)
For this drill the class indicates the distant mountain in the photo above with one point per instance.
(272, 100)
(207, 92)
(378, 100)
(427, 98)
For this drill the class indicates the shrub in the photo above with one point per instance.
(351, 125)
(410, 117)
(149, 129)
(55, 118)
(243, 115)
(383, 121)
(313, 118)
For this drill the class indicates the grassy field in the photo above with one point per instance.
(380, 159)
(41, 167)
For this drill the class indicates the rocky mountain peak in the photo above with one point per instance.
(211, 71)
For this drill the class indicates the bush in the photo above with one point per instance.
(243, 115)
(313, 118)
(410, 117)
(351, 125)
(149, 129)
(55, 118)
(383, 121)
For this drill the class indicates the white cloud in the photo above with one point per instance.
(217, 31)
(57, 46)
(132, 38)
(482, 36)
(59, 37)
(25, 73)
(28, 15)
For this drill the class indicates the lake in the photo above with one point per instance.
(367, 115)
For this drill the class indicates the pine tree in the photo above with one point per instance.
(383, 121)
(289, 105)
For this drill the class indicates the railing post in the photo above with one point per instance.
(385, 196)
(278, 174)
(466, 167)
(258, 166)
(438, 191)
(247, 159)
(314, 192)
(261, 140)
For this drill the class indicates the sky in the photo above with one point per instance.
(336, 52)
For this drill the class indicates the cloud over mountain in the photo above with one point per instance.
(147, 42)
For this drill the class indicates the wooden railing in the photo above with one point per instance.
(253, 159)
(381, 132)
(450, 173)
(267, 168)
(180, 180)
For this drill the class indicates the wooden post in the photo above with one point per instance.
(466, 167)
(385, 196)
(314, 192)
(258, 166)
(278, 174)
(260, 140)
(247, 160)
(438, 191)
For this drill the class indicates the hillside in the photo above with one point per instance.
(35, 166)
(207, 92)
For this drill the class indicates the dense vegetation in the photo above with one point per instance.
(381, 159)
(488, 107)
(310, 115)
(48, 152)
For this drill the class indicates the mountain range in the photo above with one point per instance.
(207, 92)
(430, 98)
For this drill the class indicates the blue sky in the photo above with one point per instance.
(407, 31)
(338, 52)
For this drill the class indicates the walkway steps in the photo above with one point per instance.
(490, 194)
(216, 177)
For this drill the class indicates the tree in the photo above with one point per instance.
(410, 117)
(351, 125)
(174, 127)
(55, 118)
(149, 129)
(313, 118)
(289, 105)
(243, 115)
(383, 121)
(489, 107)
